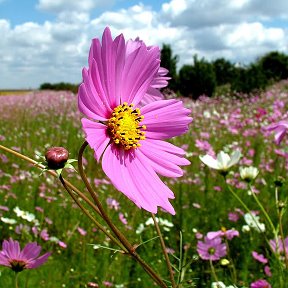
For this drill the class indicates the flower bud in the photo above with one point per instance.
(56, 157)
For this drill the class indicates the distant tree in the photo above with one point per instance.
(275, 65)
(249, 79)
(197, 79)
(46, 86)
(169, 62)
(224, 71)
(60, 86)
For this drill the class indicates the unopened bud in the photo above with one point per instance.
(56, 157)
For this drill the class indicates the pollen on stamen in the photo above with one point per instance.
(124, 126)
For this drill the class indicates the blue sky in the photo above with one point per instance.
(20, 11)
(49, 40)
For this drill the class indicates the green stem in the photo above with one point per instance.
(180, 266)
(280, 214)
(213, 271)
(118, 234)
(86, 212)
(53, 173)
(164, 251)
(16, 279)
(263, 211)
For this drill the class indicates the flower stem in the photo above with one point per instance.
(213, 271)
(86, 212)
(130, 248)
(35, 163)
(16, 279)
(164, 251)
(263, 211)
(280, 215)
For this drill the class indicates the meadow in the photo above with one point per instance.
(81, 254)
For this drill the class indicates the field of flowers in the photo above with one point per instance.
(34, 207)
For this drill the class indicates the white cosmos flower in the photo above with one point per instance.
(248, 173)
(253, 222)
(8, 220)
(223, 161)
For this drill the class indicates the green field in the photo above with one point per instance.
(38, 120)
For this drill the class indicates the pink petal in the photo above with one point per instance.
(165, 119)
(131, 174)
(96, 136)
(89, 101)
(162, 161)
(141, 66)
(30, 251)
(39, 261)
(4, 260)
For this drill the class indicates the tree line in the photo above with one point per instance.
(203, 77)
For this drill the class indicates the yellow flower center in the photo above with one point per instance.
(124, 128)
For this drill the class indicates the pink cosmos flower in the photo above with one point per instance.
(229, 234)
(261, 283)
(259, 257)
(278, 247)
(127, 137)
(280, 130)
(11, 255)
(211, 249)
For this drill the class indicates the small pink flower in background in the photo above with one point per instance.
(62, 244)
(280, 130)
(81, 231)
(229, 234)
(277, 246)
(211, 249)
(233, 216)
(107, 284)
(113, 204)
(123, 219)
(92, 285)
(126, 136)
(267, 271)
(4, 208)
(259, 257)
(11, 255)
(261, 283)
(217, 188)
(44, 235)
(48, 221)
(39, 209)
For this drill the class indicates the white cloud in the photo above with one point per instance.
(33, 53)
(68, 5)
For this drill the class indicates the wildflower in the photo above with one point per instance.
(11, 255)
(211, 249)
(8, 220)
(229, 234)
(277, 245)
(253, 222)
(259, 257)
(127, 136)
(81, 231)
(280, 130)
(261, 283)
(267, 271)
(223, 161)
(248, 173)
(218, 284)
